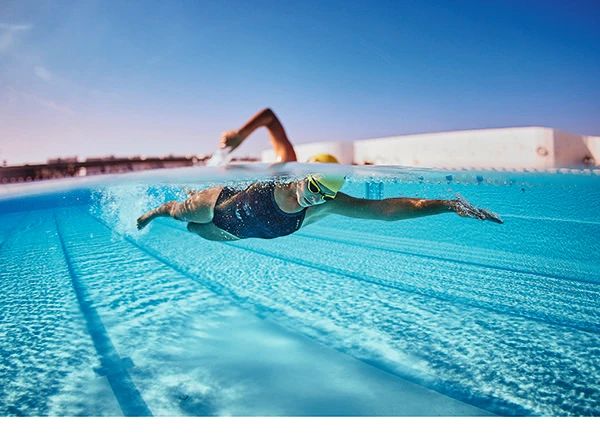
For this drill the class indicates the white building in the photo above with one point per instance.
(536, 148)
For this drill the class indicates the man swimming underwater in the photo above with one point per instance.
(274, 209)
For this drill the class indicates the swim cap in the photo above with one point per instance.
(330, 181)
(324, 158)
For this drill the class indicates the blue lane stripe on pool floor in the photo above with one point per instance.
(112, 365)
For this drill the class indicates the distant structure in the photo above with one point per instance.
(71, 167)
(522, 148)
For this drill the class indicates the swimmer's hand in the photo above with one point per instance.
(463, 208)
(230, 139)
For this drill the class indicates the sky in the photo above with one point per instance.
(92, 78)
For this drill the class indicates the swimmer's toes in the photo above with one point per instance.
(142, 222)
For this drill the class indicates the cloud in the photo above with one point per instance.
(53, 105)
(15, 27)
(43, 73)
(8, 34)
(31, 99)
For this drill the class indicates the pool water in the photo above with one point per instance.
(433, 316)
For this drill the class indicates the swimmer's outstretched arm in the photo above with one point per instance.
(284, 150)
(394, 209)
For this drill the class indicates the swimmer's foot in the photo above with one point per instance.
(143, 220)
(463, 208)
(164, 210)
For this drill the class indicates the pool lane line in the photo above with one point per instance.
(111, 364)
(401, 287)
(451, 260)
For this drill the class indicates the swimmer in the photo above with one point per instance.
(275, 209)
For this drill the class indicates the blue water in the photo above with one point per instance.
(433, 316)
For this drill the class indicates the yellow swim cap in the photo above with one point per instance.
(331, 182)
(324, 158)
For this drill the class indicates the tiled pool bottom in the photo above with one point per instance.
(343, 318)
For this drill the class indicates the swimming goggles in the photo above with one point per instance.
(314, 188)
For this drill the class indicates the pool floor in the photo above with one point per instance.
(165, 323)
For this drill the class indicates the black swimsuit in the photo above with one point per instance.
(253, 212)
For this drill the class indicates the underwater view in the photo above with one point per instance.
(440, 315)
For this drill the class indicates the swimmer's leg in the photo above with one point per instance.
(198, 208)
(163, 210)
(210, 231)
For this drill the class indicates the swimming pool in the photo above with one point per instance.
(433, 316)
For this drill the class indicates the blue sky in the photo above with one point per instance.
(93, 78)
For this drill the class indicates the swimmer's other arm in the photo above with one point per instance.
(267, 118)
(394, 209)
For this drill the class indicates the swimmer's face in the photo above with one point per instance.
(309, 193)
